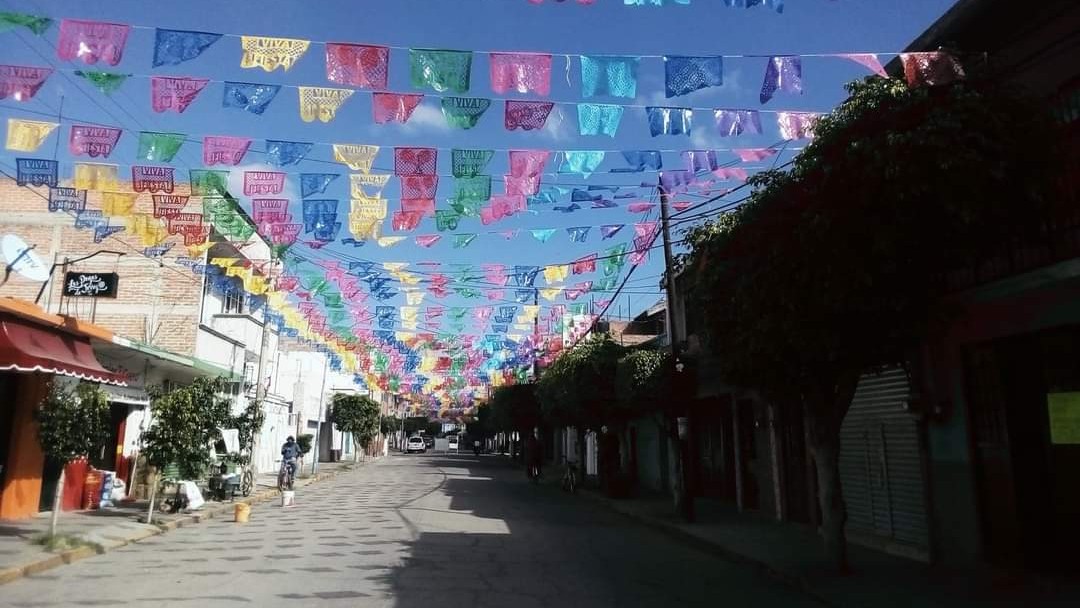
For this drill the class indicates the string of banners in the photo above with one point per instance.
(362, 66)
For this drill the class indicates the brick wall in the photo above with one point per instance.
(157, 301)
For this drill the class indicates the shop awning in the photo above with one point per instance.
(27, 347)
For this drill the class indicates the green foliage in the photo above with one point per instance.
(185, 422)
(578, 389)
(643, 382)
(247, 424)
(72, 423)
(305, 441)
(836, 266)
(416, 424)
(390, 424)
(356, 414)
(514, 408)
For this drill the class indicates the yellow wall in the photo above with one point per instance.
(21, 494)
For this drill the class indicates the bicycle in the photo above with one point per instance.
(533, 471)
(286, 477)
(569, 480)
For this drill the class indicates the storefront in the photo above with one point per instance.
(35, 347)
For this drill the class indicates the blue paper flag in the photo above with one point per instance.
(319, 214)
(684, 75)
(669, 121)
(640, 160)
(598, 119)
(249, 96)
(286, 153)
(315, 183)
(584, 162)
(36, 172)
(578, 234)
(172, 47)
(542, 234)
(609, 75)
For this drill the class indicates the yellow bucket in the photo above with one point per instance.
(242, 513)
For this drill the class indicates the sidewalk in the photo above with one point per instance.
(793, 553)
(106, 529)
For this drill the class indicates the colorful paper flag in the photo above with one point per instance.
(783, 73)
(441, 70)
(106, 82)
(224, 149)
(91, 41)
(609, 75)
(249, 96)
(358, 65)
(520, 72)
(173, 47)
(526, 115)
(286, 153)
(669, 121)
(321, 103)
(393, 107)
(271, 53)
(737, 122)
(684, 75)
(464, 112)
(357, 157)
(598, 119)
(172, 93)
(27, 135)
(21, 82)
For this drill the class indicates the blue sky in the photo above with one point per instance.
(706, 27)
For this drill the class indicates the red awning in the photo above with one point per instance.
(26, 347)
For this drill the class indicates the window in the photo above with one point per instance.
(234, 299)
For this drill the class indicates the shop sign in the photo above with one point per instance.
(90, 284)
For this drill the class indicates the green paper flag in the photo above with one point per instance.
(462, 240)
(207, 182)
(106, 82)
(469, 163)
(333, 300)
(446, 220)
(159, 147)
(10, 21)
(466, 208)
(472, 189)
(440, 70)
(464, 112)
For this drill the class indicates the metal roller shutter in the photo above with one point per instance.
(881, 467)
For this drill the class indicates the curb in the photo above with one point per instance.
(797, 583)
(48, 561)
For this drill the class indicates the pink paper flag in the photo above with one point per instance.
(796, 125)
(520, 72)
(358, 65)
(93, 141)
(427, 240)
(495, 273)
(527, 163)
(419, 186)
(646, 230)
(585, 264)
(747, 155)
(393, 107)
(640, 207)
(263, 182)
(508, 234)
(168, 93)
(415, 161)
(406, 220)
(681, 205)
(21, 82)
(270, 210)
(424, 206)
(930, 69)
(731, 173)
(526, 115)
(166, 205)
(525, 185)
(224, 149)
(496, 294)
(90, 41)
(867, 60)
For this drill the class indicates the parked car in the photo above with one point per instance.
(429, 441)
(415, 444)
(453, 443)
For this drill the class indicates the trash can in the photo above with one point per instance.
(242, 513)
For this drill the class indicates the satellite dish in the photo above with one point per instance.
(21, 258)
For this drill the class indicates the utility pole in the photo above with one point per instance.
(264, 345)
(318, 428)
(683, 503)
(536, 336)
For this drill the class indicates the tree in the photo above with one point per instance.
(836, 267)
(578, 389)
(185, 422)
(644, 387)
(71, 423)
(389, 425)
(247, 424)
(357, 415)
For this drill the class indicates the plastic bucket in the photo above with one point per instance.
(241, 513)
(288, 498)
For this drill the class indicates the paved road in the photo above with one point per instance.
(421, 531)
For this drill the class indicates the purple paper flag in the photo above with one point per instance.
(783, 73)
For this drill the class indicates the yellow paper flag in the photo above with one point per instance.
(27, 135)
(321, 102)
(360, 182)
(551, 293)
(390, 241)
(197, 251)
(394, 267)
(414, 297)
(356, 157)
(147, 227)
(368, 208)
(363, 228)
(271, 53)
(556, 274)
(117, 204)
(93, 176)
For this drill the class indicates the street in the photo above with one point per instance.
(410, 531)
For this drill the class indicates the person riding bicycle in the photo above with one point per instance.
(534, 454)
(290, 452)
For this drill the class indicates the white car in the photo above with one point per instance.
(453, 444)
(415, 444)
